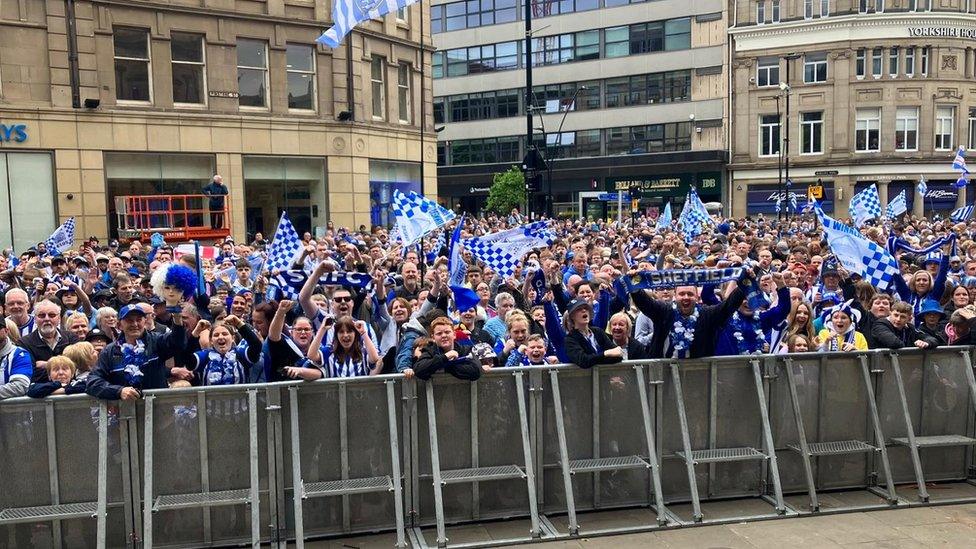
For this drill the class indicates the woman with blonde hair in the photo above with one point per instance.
(77, 324)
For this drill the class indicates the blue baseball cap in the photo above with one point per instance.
(131, 309)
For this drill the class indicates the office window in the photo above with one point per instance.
(893, 62)
(859, 63)
(252, 73)
(815, 68)
(877, 66)
(867, 130)
(807, 9)
(972, 127)
(437, 19)
(925, 61)
(403, 92)
(552, 50)
(377, 78)
(587, 143)
(811, 133)
(189, 84)
(824, 8)
(456, 16)
(439, 110)
(761, 12)
(677, 34)
(589, 99)
(587, 45)
(507, 103)
(879, 6)
(646, 37)
(906, 129)
(909, 61)
(863, 6)
(132, 65)
(437, 65)
(769, 141)
(944, 118)
(767, 71)
(775, 5)
(300, 68)
(616, 41)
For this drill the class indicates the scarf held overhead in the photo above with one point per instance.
(652, 280)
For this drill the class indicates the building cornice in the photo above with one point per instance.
(856, 27)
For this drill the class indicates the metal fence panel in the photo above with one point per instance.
(576, 388)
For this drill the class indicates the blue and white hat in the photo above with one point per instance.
(932, 257)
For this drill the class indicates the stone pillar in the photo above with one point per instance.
(918, 206)
(883, 191)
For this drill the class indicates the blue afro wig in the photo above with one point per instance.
(174, 275)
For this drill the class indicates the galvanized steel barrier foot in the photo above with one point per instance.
(57, 511)
(478, 473)
(249, 496)
(345, 486)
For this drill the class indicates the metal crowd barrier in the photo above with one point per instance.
(525, 454)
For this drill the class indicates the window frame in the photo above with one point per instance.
(267, 75)
(818, 61)
(378, 84)
(860, 63)
(768, 69)
(910, 65)
(947, 140)
(775, 136)
(761, 12)
(204, 94)
(147, 60)
(314, 77)
(902, 124)
(404, 93)
(894, 61)
(877, 62)
(867, 129)
(808, 129)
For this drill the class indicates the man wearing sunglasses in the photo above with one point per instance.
(48, 339)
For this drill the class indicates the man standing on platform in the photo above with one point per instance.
(216, 190)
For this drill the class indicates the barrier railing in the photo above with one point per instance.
(540, 448)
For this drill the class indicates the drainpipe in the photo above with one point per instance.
(73, 71)
(728, 109)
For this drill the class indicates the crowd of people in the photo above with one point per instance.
(113, 320)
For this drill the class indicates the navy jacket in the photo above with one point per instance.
(216, 193)
(109, 377)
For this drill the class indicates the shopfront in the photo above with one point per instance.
(654, 191)
(762, 199)
(384, 178)
(27, 201)
(275, 184)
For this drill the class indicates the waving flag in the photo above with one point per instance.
(62, 238)
(897, 206)
(866, 205)
(346, 14)
(959, 162)
(417, 216)
(285, 247)
(464, 297)
(961, 182)
(962, 214)
(664, 220)
(693, 216)
(858, 254)
(504, 250)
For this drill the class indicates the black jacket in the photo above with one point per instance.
(637, 350)
(39, 350)
(216, 192)
(711, 319)
(581, 352)
(886, 336)
(109, 376)
(432, 359)
(937, 334)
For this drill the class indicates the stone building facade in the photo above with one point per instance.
(880, 91)
(166, 94)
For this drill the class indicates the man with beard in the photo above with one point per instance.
(15, 365)
(47, 340)
(411, 282)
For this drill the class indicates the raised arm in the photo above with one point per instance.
(278, 322)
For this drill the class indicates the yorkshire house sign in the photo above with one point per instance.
(968, 33)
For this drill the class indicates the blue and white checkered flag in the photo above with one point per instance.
(693, 216)
(858, 254)
(62, 238)
(417, 216)
(866, 205)
(285, 247)
(346, 14)
(959, 162)
(897, 206)
(504, 250)
(922, 187)
(962, 214)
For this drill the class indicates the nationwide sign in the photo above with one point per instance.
(968, 33)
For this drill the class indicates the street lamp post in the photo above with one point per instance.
(779, 159)
(559, 141)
